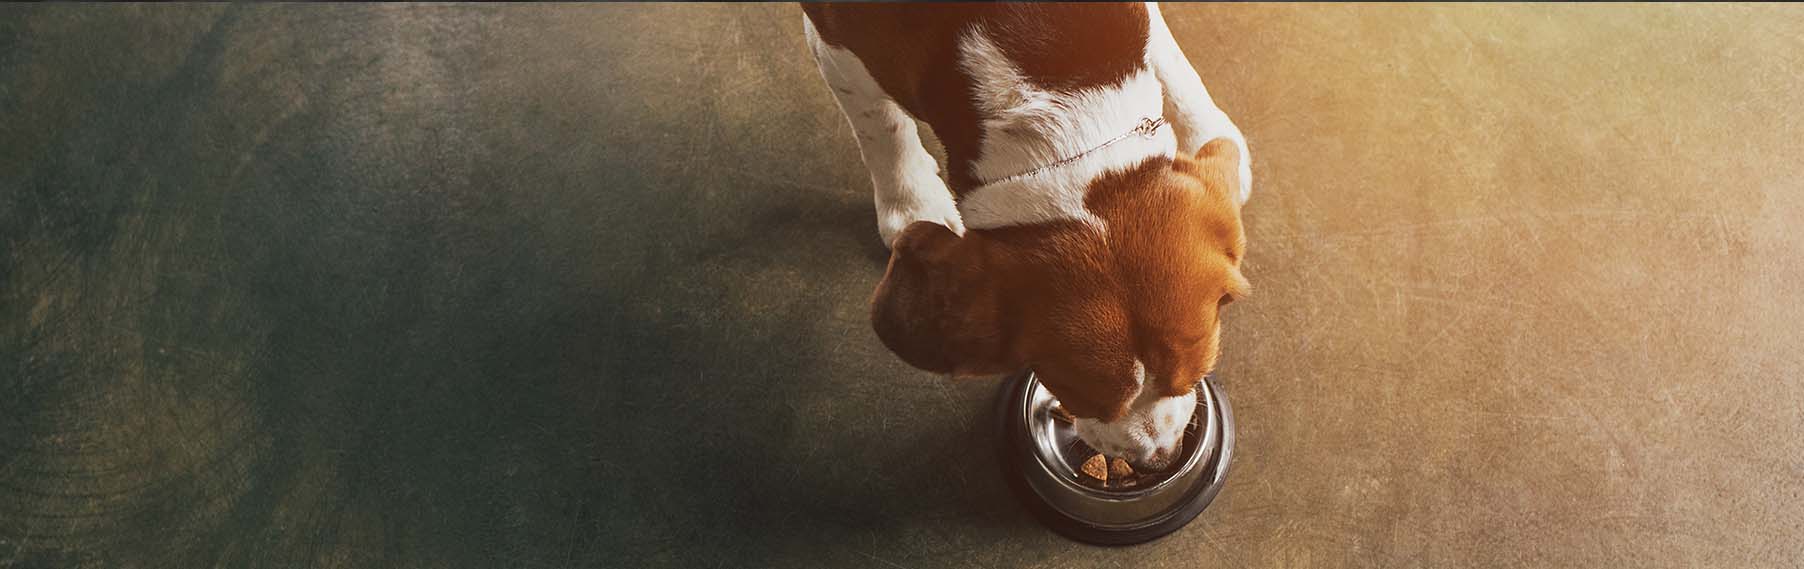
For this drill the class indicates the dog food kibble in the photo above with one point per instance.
(1097, 467)
(1100, 471)
(1119, 469)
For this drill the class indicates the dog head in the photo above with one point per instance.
(1119, 322)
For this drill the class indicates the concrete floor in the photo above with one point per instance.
(393, 286)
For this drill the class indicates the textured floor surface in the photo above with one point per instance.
(394, 286)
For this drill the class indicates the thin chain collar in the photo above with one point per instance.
(1147, 128)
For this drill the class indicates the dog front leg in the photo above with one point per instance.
(904, 177)
(1195, 118)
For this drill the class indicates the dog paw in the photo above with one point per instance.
(893, 217)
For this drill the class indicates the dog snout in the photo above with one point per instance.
(1161, 459)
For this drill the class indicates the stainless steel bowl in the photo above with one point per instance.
(1041, 456)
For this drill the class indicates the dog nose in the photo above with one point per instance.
(1161, 459)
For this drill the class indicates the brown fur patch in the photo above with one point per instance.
(927, 80)
(1076, 304)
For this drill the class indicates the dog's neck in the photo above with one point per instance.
(1033, 131)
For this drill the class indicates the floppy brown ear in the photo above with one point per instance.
(1097, 385)
(937, 307)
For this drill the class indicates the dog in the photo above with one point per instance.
(1088, 226)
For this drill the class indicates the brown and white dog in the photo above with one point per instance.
(1087, 240)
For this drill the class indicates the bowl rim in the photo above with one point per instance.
(1012, 445)
(1195, 451)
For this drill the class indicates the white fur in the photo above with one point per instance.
(904, 177)
(1188, 106)
(1028, 128)
(1151, 431)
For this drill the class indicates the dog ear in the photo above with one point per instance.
(1219, 160)
(1219, 157)
(1094, 385)
(938, 308)
(1220, 148)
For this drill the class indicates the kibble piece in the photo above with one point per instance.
(1119, 469)
(1097, 467)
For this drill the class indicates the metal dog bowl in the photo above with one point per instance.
(1041, 457)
